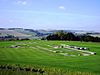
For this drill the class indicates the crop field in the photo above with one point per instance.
(49, 57)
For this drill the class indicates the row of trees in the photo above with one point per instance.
(11, 38)
(71, 37)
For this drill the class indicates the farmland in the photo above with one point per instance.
(43, 55)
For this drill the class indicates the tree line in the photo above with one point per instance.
(11, 38)
(71, 37)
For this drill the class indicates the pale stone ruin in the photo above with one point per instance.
(82, 49)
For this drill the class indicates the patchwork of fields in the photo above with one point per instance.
(43, 54)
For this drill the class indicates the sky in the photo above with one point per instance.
(51, 14)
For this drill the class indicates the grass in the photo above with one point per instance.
(34, 53)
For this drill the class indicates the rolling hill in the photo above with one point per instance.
(36, 34)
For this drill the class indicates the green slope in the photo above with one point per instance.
(34, 53)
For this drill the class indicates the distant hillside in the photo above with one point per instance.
(13, 33)
(36, 34)
(94, 34)
(24, 33)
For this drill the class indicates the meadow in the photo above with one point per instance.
(39, 54)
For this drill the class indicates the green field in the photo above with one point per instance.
(39, 54)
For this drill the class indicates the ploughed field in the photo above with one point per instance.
(49, 58)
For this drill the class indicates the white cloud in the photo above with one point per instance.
(10, 21)
(24, 2)
(62, 7)
(21, 2)
(18, 2)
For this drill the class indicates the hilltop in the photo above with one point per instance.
(37, 34)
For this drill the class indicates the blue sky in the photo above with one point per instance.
(51, 14)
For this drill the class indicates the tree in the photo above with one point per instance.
(70, 36)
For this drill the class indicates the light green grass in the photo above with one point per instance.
(30, 54)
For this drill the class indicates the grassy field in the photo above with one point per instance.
(40, 54)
